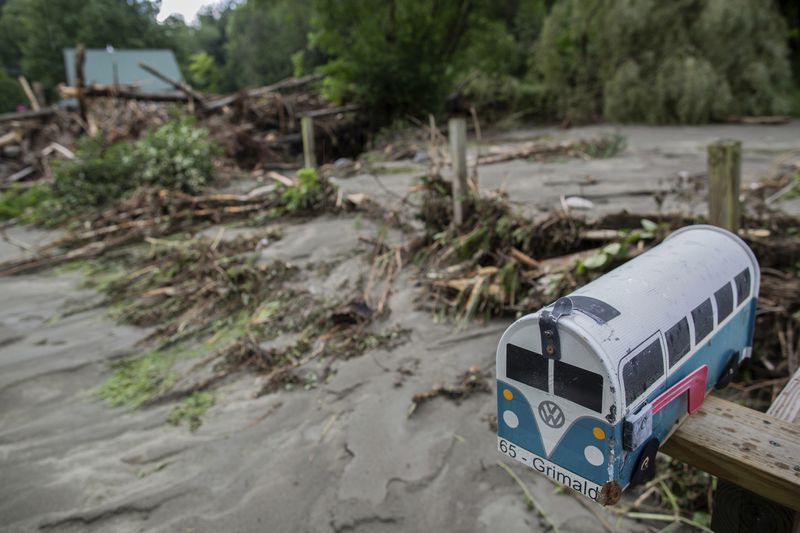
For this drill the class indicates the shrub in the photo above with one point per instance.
(27, 205)
(176, 155)
(306, 194)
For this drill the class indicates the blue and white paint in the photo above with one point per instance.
(683, 312)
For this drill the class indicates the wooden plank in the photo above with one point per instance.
(787, 405)
(742, 446)
(27, 115)
(457, 131)
(737, 509)
(724, 180)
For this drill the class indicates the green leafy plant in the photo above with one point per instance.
(308, 192)
(191, 410)
(28, 205)
(176, 155)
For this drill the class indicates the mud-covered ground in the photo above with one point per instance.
(341, 455)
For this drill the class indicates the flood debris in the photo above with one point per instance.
(474, 380)
(259, 128)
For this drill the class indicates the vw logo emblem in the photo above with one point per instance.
(551, 414)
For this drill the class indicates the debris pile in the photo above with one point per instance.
(259, 128)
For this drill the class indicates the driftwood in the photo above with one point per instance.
(283, 85)
(47, 112)
(26, 88)
(179, 85)
(124, 93)
(135, 221)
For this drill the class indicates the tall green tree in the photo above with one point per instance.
(262, 38)
(685, 61)
(396, 56)
(41, 29)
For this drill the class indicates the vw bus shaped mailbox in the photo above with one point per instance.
(589, 387)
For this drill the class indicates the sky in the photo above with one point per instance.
(187, 8)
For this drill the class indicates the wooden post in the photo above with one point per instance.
(38, 90)
(307, 131)
(724, 181)
(736, 509)
(80, 56)
(26, 88)
(457, 130)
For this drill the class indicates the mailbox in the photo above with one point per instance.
(590, 386)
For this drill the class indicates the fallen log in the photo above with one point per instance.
(12, 137)
(288, 83)
(332, 111)
(28, 115)
(112, 91)
(26, 88)
(177, 84)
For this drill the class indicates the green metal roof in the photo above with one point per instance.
(100, 66)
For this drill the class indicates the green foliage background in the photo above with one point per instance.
(682, 61)
(686, 61)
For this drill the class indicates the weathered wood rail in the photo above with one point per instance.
(755, 455)
(741, 445)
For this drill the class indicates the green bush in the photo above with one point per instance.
(177, 155)
(27, 205)
(306, 194)
(686, 61)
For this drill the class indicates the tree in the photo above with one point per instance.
(685, 61)
(41, 29)
(396, 56)
(262, 37)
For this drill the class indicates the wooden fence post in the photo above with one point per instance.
(457, 131)
(724, 181)
(80, 56)
(307, 131)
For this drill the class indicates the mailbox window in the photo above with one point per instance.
(742, 286)
(703, 318)
(642, 371)
(678, 342)
(526, 367)
(578, 385)
(724, 297)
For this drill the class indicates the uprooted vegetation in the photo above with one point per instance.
(501, 264)
(176, 155)
(215, 309)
